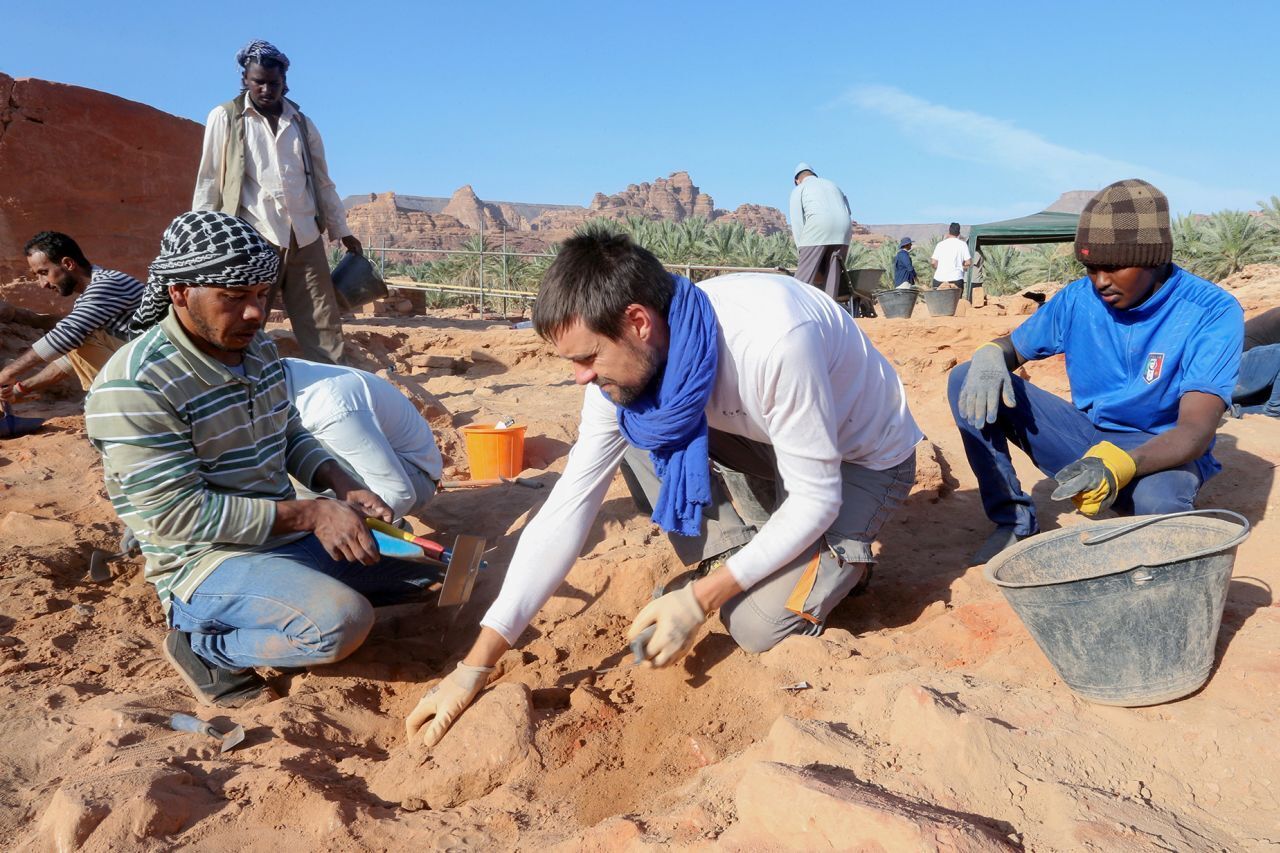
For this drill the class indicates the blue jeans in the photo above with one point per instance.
(294, 606)
(1054, 433)
(1257, 390)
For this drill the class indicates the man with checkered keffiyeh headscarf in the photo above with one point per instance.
(264, 161)
(199, 441)
(1152, 356)
(204, 248)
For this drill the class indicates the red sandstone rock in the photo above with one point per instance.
(110, 172)
(782, 807)
(489, 743)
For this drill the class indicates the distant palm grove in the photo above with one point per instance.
(1212, 246)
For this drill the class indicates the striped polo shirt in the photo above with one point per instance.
(195, 456)
(108, 303)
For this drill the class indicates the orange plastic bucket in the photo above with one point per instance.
(494, 452)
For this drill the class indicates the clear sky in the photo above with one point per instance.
(921, 112)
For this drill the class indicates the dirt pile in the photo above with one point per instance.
(929, 718)
(110, 172)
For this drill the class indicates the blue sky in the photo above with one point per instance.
(921, 112)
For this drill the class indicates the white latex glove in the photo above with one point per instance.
(677, 616)
(445, 702)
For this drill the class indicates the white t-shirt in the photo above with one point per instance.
(364, 421)
(794, 372)
(950, 254)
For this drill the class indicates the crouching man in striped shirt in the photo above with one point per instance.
(198, 439)
(96, 327)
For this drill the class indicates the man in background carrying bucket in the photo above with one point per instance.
(1152, 355)
(264, 162)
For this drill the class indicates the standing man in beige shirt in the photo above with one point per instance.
(263, 161)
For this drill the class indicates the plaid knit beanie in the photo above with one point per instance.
(1125, 225)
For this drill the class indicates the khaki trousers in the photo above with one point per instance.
(310, 301)
(87, 359)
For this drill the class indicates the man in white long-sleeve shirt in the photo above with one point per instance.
(370, 428)
(263, 161)
(821, 226)
(748, 384)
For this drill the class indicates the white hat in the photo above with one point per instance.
(801, 167)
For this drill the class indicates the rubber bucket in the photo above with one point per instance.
(1128, 611)
(941, 302)
(494, 452)
(898, 303)
(356, 282)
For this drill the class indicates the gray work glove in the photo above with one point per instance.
(988, 383)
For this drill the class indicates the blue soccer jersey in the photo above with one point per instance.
(1129, 369)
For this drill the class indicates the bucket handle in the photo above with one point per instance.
(1108, 535)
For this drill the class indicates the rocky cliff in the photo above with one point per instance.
(383, 219)
(110, 172)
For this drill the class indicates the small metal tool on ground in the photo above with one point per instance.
(638, 655)
(187, 723)
(449, 485)
(100, 561)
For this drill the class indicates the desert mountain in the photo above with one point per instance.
(388, 219)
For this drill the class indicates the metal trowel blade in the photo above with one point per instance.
(232, 739)
(460, 575)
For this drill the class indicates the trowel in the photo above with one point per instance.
(187, 723)
(100, 561)
(462, 562)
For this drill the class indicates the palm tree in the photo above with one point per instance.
(1052, 262)
(1188, 240)
(724, 243)
(1004, 269)
(1233, 239)
(1271, 212)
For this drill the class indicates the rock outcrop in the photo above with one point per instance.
(110, 172)
(675, 198)
(755, 217)
(385, 220)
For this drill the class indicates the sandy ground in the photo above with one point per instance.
(931, 719)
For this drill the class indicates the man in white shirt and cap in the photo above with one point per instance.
(263, 161)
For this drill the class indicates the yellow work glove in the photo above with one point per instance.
(1093, 481)
(445, 702)
(677, 616)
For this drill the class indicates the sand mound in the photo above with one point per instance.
(931, 720)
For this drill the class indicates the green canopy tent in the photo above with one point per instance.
(1042, 227)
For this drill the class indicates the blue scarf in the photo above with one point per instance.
(670, 421)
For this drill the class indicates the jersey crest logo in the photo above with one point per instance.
(1155, 364)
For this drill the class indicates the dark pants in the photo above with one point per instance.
(1054, 433)
(821, 266)
(1257, 391)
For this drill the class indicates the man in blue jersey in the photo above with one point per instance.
(1152, 355)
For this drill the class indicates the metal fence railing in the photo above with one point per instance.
(492, 273)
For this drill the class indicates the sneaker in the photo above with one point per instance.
(863, 582)
(1001, 538)
(710, 564)
(211, 685)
